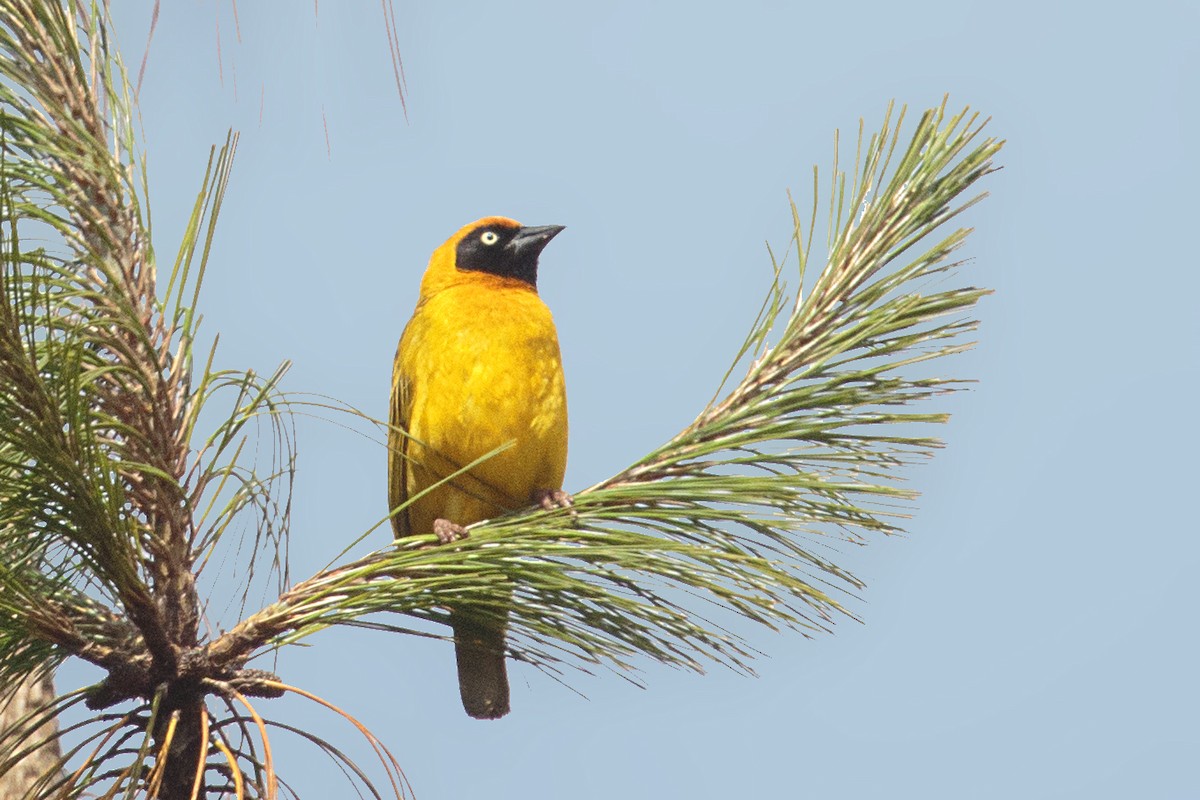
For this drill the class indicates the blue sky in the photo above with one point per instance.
(1032, 636)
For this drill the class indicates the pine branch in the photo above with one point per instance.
(113, 500)
(98, 479)
(736, 512)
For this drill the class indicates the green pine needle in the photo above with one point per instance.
(115, 496)
(737, 511)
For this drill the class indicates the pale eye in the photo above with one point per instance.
(489, 237)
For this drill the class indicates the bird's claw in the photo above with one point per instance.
(447, 531)
(551, 499)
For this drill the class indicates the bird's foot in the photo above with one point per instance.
(551, 499)
(447, 531)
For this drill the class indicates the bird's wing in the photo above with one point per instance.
(398, 417)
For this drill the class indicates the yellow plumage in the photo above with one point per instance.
(478, 366)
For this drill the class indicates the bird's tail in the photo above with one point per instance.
(482, 677)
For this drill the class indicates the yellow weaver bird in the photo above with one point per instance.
(478, 367)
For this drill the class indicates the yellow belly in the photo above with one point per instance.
(483, 370)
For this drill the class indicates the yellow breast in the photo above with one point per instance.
(482, 369)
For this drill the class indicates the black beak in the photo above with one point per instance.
(529, 242)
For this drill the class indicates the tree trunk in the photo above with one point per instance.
(32, 694)
(180, 774)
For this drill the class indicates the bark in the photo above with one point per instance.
(33, 693)
(183, 761)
